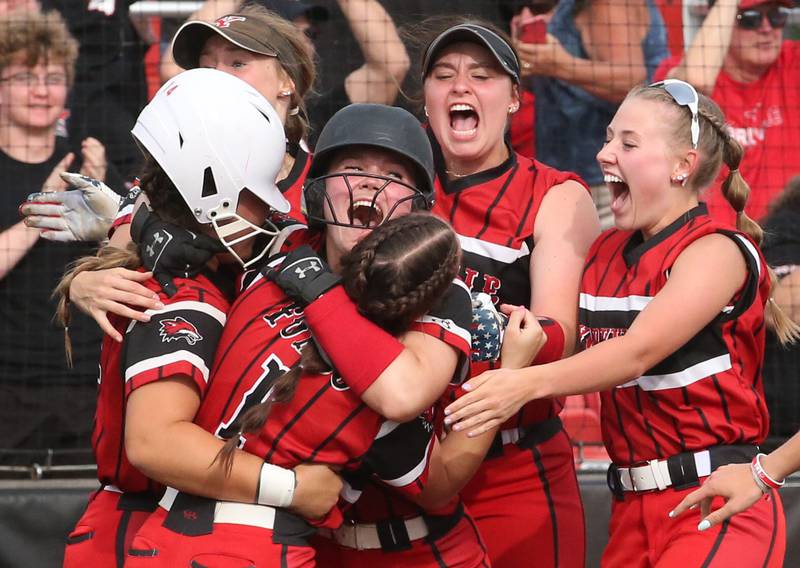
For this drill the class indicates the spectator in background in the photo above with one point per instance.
(782, 363)
(740, 59)
(110, 87)
(378, 80)
(44, 404)
(593, 53)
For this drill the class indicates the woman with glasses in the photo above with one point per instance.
(673, 309)
(740, 58)
(37, 60)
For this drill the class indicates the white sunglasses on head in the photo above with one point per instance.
(684, 95)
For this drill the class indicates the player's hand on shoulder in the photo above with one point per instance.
(303, 275)
(170, 251)
(523, 337)
(115, 290)
(317, 490)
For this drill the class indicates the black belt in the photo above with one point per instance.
(527, 436)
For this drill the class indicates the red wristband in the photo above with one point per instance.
(553, 349)
(359, 349)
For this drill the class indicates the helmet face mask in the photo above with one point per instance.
(342, 199)
(215, 136)
(369, 127)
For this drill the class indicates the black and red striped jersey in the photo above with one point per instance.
(709, 392)
(179, 340)
(324, 422)
(494, 213)
(291, 187)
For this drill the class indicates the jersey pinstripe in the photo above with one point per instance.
(179, 339)
(494, 213)
(324, 422)
(709, 392)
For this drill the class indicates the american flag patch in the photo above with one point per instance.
(487, 328)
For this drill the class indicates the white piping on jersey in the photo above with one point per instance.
(612, 304)
(349, 493)
(386, 428)
(461, 284)
(448, 325)
(218, 315)
(494, 251)
(162, 360)
(412, 475)
(752, 250)
(684, 378)
(127, 210)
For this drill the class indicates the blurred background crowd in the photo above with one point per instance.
(74, 75)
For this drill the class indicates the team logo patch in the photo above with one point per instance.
(226, 21)
(177, 328)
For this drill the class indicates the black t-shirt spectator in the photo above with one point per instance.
(42, 402)
(110, 88)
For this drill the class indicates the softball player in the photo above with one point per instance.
(197, 182)
(524, 229)
(672, 316)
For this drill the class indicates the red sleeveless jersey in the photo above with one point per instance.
(494, 213)
(324, 422)
(179, 339)
(709, 392)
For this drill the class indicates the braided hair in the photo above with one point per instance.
(395, 274)
(715, 147)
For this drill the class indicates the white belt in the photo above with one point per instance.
(655, 475)
(231, 513)
(364, 536)
(511, 436)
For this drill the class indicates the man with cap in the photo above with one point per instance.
(740, 59)
(386, 60)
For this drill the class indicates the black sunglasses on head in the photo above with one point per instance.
(751, 19)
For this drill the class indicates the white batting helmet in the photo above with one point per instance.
(214, 136)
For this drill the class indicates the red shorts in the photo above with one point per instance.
(228, 546)
(527, 505)
(460, 547)
(642, 534)
(105, 530)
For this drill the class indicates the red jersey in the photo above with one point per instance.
(179, 339)
(764, 116)
(291, 187)
(324, 422)
(494, 213)
(709, 392)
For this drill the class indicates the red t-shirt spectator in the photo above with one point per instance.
(764, 116)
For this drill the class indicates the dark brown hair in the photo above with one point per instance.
(395, 274)
(294, 57)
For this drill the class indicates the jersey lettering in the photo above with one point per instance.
(273, 368)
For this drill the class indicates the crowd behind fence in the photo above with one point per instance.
(73, 110)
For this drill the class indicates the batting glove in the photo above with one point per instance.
(304, 276)
(81, 214)
(170, 251)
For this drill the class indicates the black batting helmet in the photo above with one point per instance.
(376, 126)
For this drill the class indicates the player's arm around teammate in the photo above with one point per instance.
(672, 315)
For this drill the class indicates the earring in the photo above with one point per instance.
(425, 109)
(681, 179)
(512, 109)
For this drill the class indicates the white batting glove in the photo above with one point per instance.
(84, 213)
